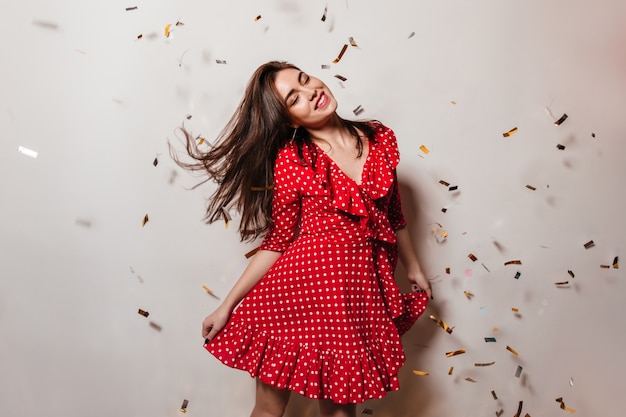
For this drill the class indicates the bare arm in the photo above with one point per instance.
(261, 262)
(410, 262)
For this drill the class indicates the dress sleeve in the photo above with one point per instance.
(286, 205)
(395, 214)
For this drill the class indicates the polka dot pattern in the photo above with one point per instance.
(326, 319)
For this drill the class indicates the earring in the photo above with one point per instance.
(295, 129)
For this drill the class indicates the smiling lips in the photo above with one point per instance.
(321, 101)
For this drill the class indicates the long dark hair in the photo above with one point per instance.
(241, 160)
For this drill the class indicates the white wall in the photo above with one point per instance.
(98, 105)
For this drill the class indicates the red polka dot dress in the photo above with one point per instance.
(326, 319)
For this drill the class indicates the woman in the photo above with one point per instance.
(318, 311)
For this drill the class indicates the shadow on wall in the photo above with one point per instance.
(414, 397)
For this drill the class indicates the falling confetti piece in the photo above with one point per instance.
(493, 393)
(145, 220)
(605, 266)
(485, 266)
(495, 329)
(166, 31)
(352, 41)
(530, 187)
(468, 294)
(515, 310)
(251, 253)
(510, 132)
(266, 188)
(499, 413)
(483, 310)
(470, 380)
(444, 183)
(156, 161)
(513, 351)
(226, 216)
(571, 382)
(256, 19)
(448, 271)
(593, 135)
(324, 15)
(45, 25)
(341, 77)
(453, 102)
(518, 274)
(455, 353)
(589, 244)
(420, 373)
(490, 339)
(561, 120)
(343, 51)
(183, 408)
(411, 35)
(513, 262)
(155, 326)
(519, 409)
(424, 149)
(453, 188)
(571, 273)
(484, 364)
(358, 110)
(27, 152)
(143, 313)
(472, 257)
(451, 370)
(140, 36)
(442, 324)
(616, 262)
(518, 372)
(561, 283)
(221, 61)
(563, 407)
(325, 66)
(207, 289)
(560, 147)
(131, 8)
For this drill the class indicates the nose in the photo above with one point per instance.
(312, 93)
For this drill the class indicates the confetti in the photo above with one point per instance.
(27, 152)
(226, 216)
(472, 257)
(143, 313)
(444, 209)
(455, 353)
(444, 183)
(605, 266)
(485, 266)
(166, 31)
(420, 373)
(155, 326)
(252, 252)
(424, 149)
(451, 370)
(589, 244)
(145, 220)
(510, 132)
(513, 262)
(45, 25)
(561, 283)
(358, 110)
(453, 188)
(453, 102)
(468, 294)
(530, 187)
(131, 8)
(221, 61)
(513, 351)
(448, 270)
(561, 119)
(563, 407)
(341, 77)
(443, 324)
(324, 15)
(183, 408)
(495, 397)
(490, 339)
(519, 409)
(518, 372)
(156, 161)
(518, 274)
(571, 382)
(343, 51)
(593, 135)
(560, 147)
(325, 66)
(352, 41)
(256, 19)
(470, 380)
(207, 289)
(411, 35)
(616, 262)
(515, 310)
(266, 188)
(140, 36)
(499, 413)
(484, 364)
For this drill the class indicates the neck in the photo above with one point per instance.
(333, 132)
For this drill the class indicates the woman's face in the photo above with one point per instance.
(308, 99)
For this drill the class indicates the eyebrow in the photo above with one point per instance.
(292, 91)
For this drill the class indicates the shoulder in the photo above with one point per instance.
(384, 136)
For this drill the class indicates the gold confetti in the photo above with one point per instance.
(252, 252)
(256, 19)
(143, 313)
(166, 31)
(571, 274)
(448, 270)
(441, 323)
(510, 132)
(455, 353)
(207, 289)
(472, 257)
(340, 77)
(468, 294)
(605, 266)
(513, 262)
(519, 409)
(515, 310)
(561, 120)
(352, 41)
(495, 329)
(200, 140)
(226, 216)
(139, 36)
(343, 51)
(563, 407)
(424, 149)
(451, 370)
(561, 283)
(145, 220)
(470, 380)
(493, 393)
(420, 373)
(444, 183)
(560, 147)
(183, 408)
(530, 187)
(513, 351)
(589, 244)
(267, 188)
(484, 364)
(616, 262)
(453, 102)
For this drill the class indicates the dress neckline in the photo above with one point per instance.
(360, 182)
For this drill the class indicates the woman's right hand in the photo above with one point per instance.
(214, 323)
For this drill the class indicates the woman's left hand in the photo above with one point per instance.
(420, 282)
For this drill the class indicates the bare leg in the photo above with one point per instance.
(331, 409)
(270, 401)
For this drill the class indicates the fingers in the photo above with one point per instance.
(428, 290)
